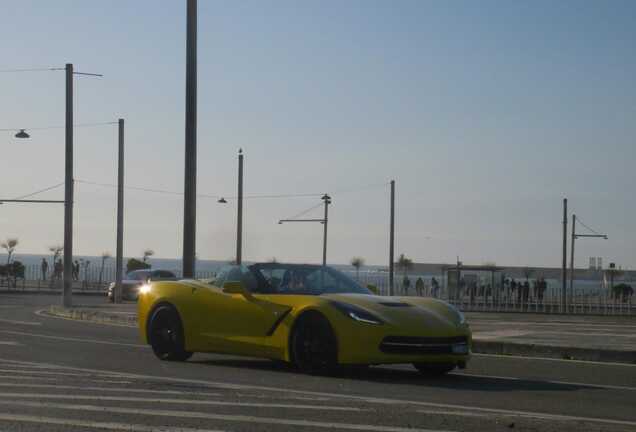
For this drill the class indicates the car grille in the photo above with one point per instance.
(421, 345)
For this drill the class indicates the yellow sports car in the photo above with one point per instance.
(311, 316)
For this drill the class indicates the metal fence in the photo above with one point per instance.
(587, 297)
(89, 278)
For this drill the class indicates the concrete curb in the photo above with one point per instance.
(552, 351)
(479, 346)
(87, 314)
(43, 291)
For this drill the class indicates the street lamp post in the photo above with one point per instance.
(67, 293)
(392, 238)
(239, 222)
(327, 199)
(119, 260)
(190, 183)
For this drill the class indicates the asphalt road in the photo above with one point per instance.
(57, 374)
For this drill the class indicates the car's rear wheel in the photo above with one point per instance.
(166, 334)
(313, 345)
(432, 369)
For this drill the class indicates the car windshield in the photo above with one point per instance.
(275, 278)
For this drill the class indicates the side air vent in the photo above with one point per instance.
(395, 304)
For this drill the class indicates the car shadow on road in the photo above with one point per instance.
(403, 376)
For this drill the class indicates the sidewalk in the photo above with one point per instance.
(592, 338)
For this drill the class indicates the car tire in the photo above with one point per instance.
(313, 345)
(165, 334)
(432, 369)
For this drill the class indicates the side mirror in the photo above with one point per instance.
(236, 287)
(373, 288)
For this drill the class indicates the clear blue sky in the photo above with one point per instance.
(486, 113)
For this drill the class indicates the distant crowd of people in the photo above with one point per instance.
(510, 290)
(58, 269)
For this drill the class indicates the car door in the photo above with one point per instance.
(235, 323)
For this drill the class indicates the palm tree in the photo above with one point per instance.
(357, 262)
(9, 246)
(404, 263)
(147, 254)
(56, 250)
(105, 256)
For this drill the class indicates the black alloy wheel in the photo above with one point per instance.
(166, 335)
(313, 345)
(433, 369)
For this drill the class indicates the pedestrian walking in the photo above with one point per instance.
(435, 287)
(76, 270)
(44, 267)
(406, 283)
(419, 286)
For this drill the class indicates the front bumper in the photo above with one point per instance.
(380, 345)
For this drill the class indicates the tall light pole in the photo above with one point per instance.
(67, 292)
(119, 260)
(565, 252)
(190, 183)
(239, 222)
(392, 238)
(327, 199)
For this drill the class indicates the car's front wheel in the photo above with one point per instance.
(313, 345)
(166, 334)
(432, 369)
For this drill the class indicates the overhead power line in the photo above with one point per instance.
(42, 69)
(590, 229)
(79, 125)
(38, 191)
(215, 196)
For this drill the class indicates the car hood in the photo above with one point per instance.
(404, 311)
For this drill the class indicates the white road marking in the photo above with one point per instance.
(222, 417)
(568, 383)
(10, 343)
(39, 372)
(110, 389)
(517, 357)
(178, 401)
(366, 399)
(39, 378)
(542, 416)
(73, 339)
(97, 425)
(28, 323)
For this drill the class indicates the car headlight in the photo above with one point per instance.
(356, 313)
(460, 315)
(144, 289)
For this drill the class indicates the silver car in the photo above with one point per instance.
(136, 278)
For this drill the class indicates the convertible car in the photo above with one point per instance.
(311, 316)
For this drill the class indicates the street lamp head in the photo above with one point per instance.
(22, 134)
(222, 201)
(280, 222)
